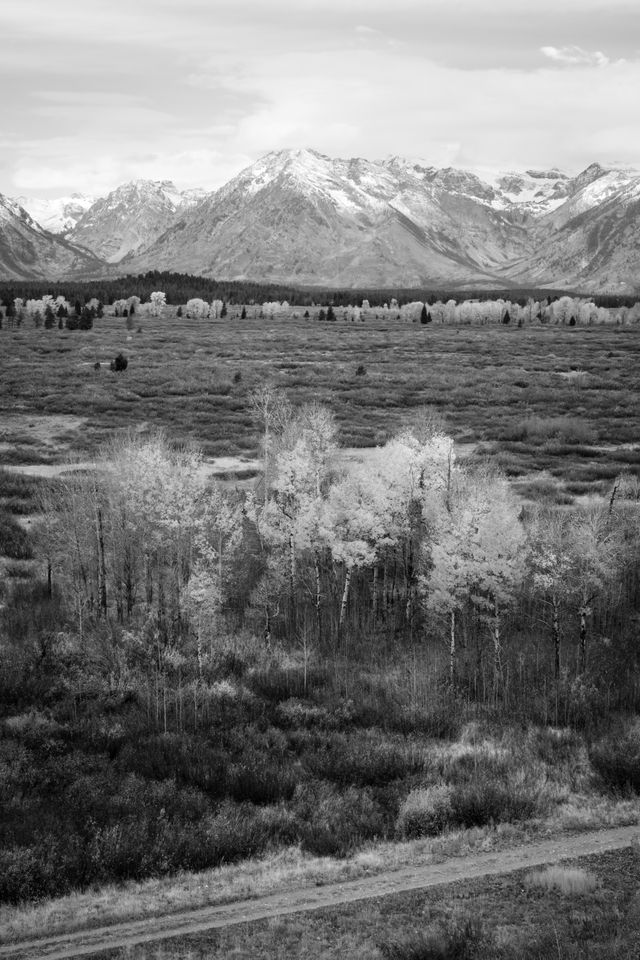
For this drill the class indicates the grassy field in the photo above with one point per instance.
(584, 910)
(556, 406)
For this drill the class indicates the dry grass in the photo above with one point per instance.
(569, 881)
(494, 918)
(292, 868)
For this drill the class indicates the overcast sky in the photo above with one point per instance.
(98, 92)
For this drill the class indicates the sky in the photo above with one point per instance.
(94, 93)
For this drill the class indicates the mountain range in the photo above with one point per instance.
(300, 217)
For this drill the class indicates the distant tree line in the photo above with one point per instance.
(180, 288)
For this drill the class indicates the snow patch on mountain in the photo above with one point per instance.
(58, 215)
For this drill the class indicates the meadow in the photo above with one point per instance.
(555, 407)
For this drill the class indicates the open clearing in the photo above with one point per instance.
(291, 901)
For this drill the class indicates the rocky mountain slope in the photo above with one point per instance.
(130, 217)
(29, 252)
(301, 217)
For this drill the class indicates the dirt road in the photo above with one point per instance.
(86, 942)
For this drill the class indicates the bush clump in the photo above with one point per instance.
(485, 801)
(617, 761)
(119, 363)
(14, 541)
(460, 939)
(426, 812)
(332, 823)
(360, 761)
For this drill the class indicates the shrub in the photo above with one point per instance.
(570, 881)
(486, 801)
(331, 823)
(361, 370)
(425, 812)
(617, 761)
(27, 873)
(119, 364)
(182, 758)
(14, 541)
(363, 761)
(282, 683)
(462, 939)
(259, 780)
(541, 429)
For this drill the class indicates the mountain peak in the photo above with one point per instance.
(297, 215)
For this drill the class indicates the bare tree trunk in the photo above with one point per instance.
(374, 594)
(452, 646)
(220, 574)
(448, 494)
(497, 644)
(316, 563)
(149, 580)
(128, 581)
(345, 597)
(556, 638)
(409, 584)
(102, 566)
(583, 638)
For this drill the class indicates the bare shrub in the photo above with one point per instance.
(425, 812)
(570, 881)
(541, 429)
(461, 939)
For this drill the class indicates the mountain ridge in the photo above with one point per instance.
(299, 216)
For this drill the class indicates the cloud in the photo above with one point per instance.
(576, 56)
(196, 91)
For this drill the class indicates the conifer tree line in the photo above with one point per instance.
(409, 546)
(180, 288)
(50, 311)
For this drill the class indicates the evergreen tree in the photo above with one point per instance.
(119, 364)
(330, 314)
(49, 317)
(223, 311)
(243, 315)
(86, 319)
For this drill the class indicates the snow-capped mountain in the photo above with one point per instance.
(592, 242)
(301, 217)
(29, 252)
(59, 215)
(130, 217)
